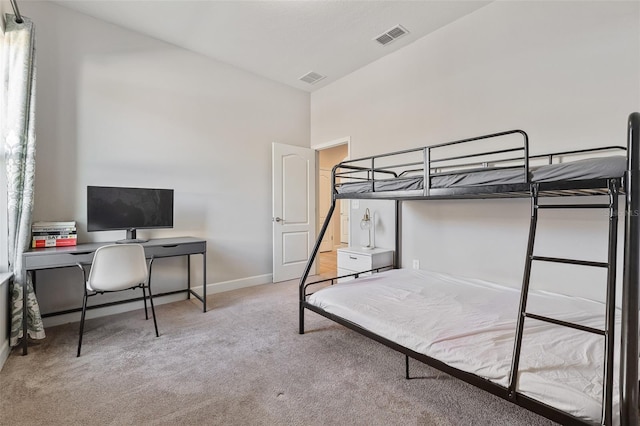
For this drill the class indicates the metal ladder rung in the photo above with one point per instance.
(571, 261)
(565, 324)
(573, 206)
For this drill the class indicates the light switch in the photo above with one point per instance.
(355, 204)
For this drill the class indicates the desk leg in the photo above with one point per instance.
(202, 298)
(204, 282)
(189, 276)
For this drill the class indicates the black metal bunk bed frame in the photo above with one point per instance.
(628, 185)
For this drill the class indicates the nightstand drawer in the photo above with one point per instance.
(353, 261)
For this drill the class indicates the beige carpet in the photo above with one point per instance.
(241, 363)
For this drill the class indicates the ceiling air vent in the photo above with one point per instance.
(392, 34)
(384, 39)
(312, 77)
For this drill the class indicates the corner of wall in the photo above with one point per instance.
(4, 353)
(4, 315)
(3, 9)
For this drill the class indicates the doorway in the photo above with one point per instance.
(337, 234)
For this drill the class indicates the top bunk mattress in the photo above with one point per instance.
(470, 324)
(591, 168)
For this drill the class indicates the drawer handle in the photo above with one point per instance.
(170, 246)
(353, 258)
(80, 253)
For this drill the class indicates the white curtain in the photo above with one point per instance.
(17, 116)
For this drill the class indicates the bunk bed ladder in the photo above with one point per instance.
(610, 265)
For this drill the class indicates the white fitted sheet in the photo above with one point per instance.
(470, 324)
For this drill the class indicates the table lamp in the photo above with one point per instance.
(365, 223)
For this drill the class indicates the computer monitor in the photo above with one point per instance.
(117, 208)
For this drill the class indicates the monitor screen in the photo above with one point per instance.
(111, 208)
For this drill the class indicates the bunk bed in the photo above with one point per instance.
(559, 356)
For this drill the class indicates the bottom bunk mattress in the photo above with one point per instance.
(470, 324)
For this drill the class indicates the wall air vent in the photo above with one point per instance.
(312, 77)
(390, 35)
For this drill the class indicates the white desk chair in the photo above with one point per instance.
(117, 267)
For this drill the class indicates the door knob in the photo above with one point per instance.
(277, 219)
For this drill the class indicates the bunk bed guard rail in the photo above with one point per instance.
(441, 161)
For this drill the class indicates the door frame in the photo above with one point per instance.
(319, 147)
(321, 204)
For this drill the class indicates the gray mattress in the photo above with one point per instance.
(591, 168)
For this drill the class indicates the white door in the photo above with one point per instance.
(324, 203)
(344, 221)
(294, 210)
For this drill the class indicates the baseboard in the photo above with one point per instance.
(236, 284)
(160, 300)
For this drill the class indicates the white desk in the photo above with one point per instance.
(64, 257)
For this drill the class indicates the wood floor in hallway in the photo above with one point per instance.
(328, 263)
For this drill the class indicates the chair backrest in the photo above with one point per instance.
(117, 267)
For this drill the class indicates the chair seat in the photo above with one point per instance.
(98, 290)
(117, 267)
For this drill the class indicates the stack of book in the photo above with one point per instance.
(53, 234)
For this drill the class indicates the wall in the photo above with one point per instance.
(329, 157)
(565, 72)
(119, 108)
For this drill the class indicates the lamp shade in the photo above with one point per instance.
(365, 223)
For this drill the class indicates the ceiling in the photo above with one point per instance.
(281, 40)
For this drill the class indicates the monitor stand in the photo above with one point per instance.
(131, 238)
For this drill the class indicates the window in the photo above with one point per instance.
(4, 237)
(4, 249)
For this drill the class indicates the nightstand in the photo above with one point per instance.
(356, 259)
